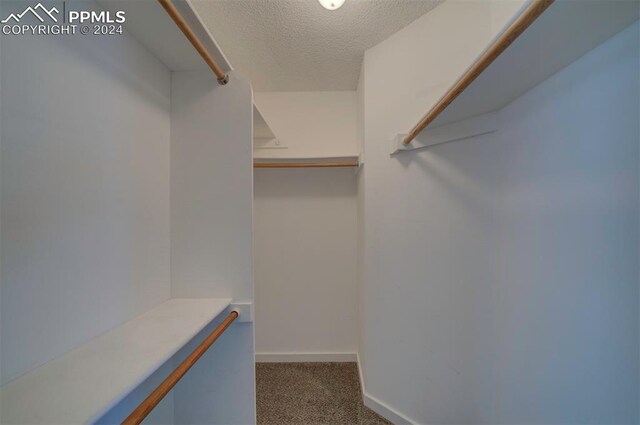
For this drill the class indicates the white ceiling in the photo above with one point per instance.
(297, 45)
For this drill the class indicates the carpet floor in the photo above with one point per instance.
(311, 394)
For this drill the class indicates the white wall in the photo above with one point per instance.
(396, 88)
(305, 261)
(568, 243)
(310, 124)
(501, 272)
(85, 190)
(211, 236)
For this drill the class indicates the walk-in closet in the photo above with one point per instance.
(319, 212)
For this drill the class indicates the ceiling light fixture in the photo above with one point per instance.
(331, 4)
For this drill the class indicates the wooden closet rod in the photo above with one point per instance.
(303, 164)
(530, 14)
(191, 36)
(144, 408)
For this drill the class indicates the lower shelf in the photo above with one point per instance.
(85, 383)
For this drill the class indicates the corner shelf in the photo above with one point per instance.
(84, 384)
(263, 137)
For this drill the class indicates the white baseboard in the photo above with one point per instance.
(305, 357)
(380, 407)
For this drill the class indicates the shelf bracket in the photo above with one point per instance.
(463, 129)
(244, 309)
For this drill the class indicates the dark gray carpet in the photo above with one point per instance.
(311, 394)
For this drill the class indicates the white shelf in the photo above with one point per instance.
(85, 383)
(562, 34)
(566, 31)
(150, 24)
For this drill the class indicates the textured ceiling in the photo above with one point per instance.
(297, 45)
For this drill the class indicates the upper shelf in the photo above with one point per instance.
(149, 23)
(563, 33)
(113, 364)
